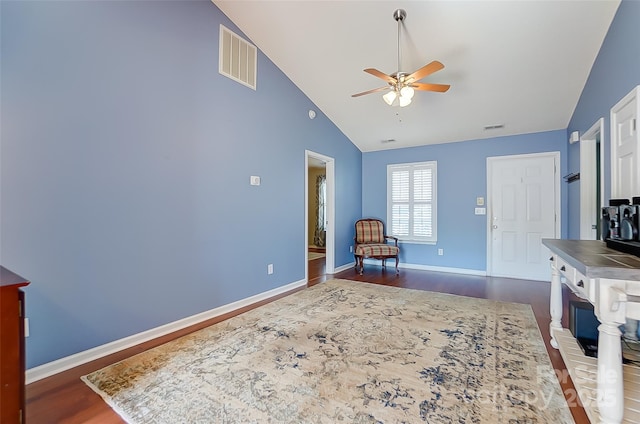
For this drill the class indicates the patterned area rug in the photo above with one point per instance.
(351, 352)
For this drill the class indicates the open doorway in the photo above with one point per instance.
(317, 216)
(591, 181)
(319, 189)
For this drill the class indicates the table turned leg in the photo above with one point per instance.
(555, 305)
(610, 387)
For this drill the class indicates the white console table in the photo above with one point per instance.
(610, 280)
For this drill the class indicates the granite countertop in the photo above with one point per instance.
(595, 260)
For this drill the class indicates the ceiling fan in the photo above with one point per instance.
(401, 85)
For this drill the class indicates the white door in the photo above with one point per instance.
(625, 147)
(523, 204)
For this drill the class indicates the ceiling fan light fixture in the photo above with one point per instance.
(402, 85)
(404, 101)
(390, 97)
(407, 91)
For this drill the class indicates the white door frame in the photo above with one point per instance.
(588, 172)
(331, 213)
(490, 197)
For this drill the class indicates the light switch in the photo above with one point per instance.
(255, 180)
(479, 201)
(481, 211)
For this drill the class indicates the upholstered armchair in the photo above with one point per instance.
(370, 241)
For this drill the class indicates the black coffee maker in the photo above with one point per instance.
(620, 224)
(610, 222)
(621, 220)
(630, 220)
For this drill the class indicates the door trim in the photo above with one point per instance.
(331, 213)
(588, 165)
(558, 219)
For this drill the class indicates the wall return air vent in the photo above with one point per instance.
(237, 58)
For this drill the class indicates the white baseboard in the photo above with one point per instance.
(445, 269)
(344, 267)
(68, 362)
(430, 268)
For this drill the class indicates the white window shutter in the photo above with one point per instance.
(411, 209)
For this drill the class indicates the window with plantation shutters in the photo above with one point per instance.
(411, 201)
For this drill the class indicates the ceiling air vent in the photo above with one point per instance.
(238, 58)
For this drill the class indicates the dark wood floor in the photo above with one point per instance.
(64, 398)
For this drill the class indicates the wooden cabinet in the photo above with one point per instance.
(12, 353)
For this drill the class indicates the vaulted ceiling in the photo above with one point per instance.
(518, 63)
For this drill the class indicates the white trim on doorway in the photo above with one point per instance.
(331, 213)
(589, 204)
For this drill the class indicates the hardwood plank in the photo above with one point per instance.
(64, 398)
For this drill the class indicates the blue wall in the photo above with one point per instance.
(126, 160)
(615, 72)
(462, 177)
(125, 164)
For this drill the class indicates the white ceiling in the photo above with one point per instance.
(518, 63)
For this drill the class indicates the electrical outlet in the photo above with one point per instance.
(350, 249)
(440, 252)
(270, 269)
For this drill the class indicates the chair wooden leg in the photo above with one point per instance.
(361, 264)
(397, 272)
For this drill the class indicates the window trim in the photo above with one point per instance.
(433, 165)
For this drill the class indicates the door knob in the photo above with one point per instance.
(495, 226)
